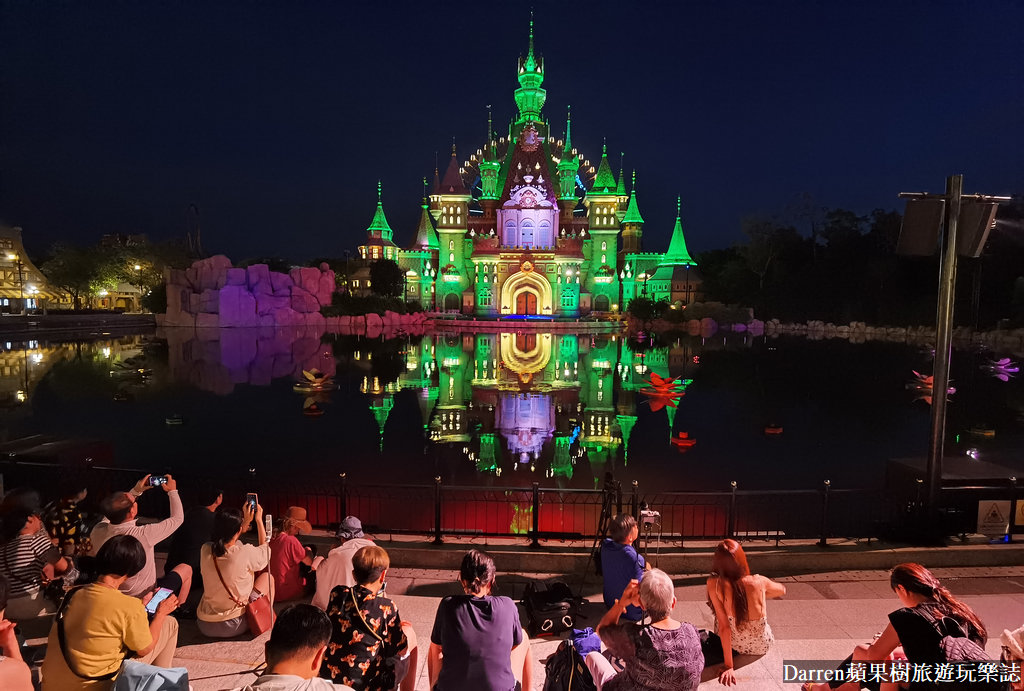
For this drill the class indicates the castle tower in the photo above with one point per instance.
(379, 244)
(453, 223)
(632, 224)
(602, 212)
(530, 95)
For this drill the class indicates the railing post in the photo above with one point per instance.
(535, 540)
(730, 529)
(343, 496)
(634, 502)
(1013, 506)
(437, 510)
(824, 514)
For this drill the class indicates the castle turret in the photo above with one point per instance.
(632, 224)
(530, 95)
(567, 165)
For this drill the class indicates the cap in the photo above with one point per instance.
(350, 528)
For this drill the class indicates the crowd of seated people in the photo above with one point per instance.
(352, 635)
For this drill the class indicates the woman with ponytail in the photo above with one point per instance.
(911, 627)
(230, 569)
(738, 599)
(477, 641)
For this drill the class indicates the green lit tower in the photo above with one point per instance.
(490, 166)
(379, 244)
(568, 164)
(632, 224)
(602, 211)
(420, 261)
(453, 223)
(530, 95)
(676, 278)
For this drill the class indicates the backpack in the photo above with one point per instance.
(956, 646)
(566, 671)
(550, 608)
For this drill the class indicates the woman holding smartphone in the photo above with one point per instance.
(234, 573)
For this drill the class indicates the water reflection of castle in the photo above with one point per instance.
(536, 400)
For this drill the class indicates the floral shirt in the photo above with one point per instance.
(366, 642)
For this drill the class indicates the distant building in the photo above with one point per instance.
(22, 286)
(527, 226)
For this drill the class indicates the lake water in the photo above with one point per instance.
(499, 409)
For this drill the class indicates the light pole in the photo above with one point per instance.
(931, 220)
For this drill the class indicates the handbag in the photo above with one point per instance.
(258, 612)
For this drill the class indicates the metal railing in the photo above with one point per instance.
(541, 513)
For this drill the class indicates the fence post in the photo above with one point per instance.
(730, 528)
(535, 540)
(634, 502)
(1013, 506)
(437, 510)
(343, 496)
(824, 514)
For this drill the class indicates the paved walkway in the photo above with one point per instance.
(821, 618)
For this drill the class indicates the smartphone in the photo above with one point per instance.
(251, 499)
(159, 596)
(157, 480)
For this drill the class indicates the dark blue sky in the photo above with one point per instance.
(277, 118)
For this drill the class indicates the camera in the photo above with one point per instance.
(649, 517)
(157, 480)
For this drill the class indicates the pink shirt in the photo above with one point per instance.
(286, 552)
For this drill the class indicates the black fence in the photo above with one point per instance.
(539, 513)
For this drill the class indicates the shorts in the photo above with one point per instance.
(170, 580)
(229, 628)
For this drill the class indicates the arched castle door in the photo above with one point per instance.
(526, 302)
(526, 292)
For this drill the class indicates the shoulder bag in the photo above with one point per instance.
(259, 613)
(64, 644)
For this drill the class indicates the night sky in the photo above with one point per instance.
(277, 118)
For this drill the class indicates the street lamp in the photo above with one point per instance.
(962, 223)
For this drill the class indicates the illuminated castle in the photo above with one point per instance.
(527, 226)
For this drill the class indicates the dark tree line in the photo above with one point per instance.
(833, 265)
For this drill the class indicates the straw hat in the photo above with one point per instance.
(296, 515)
(1013, 641)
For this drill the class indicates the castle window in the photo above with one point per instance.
(568, 299)
(451, 257)
(355, 283)
(604, 258)
(604, 246)
(451, 244)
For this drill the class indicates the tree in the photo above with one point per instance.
(387, 278)
(75, 270)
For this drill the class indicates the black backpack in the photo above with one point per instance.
(957, 647)
(550, 608)
(566, 671)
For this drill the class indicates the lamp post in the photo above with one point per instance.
(935, 220)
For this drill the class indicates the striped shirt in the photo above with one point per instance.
(22, 561)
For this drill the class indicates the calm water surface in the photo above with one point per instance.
(500, 409)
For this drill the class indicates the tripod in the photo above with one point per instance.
(610, 500)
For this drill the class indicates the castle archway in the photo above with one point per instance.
(526, 292)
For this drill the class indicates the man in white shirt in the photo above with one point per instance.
(121, 511)
(336, 569)
(294, 652)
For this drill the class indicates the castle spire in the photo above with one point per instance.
(379, 227)
(426, 236)
(530, 95)
(604, 182)
(633, 210)
(677, 254)
(620, 189)
(567, 149)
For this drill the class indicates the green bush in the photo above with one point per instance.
(347, 305)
